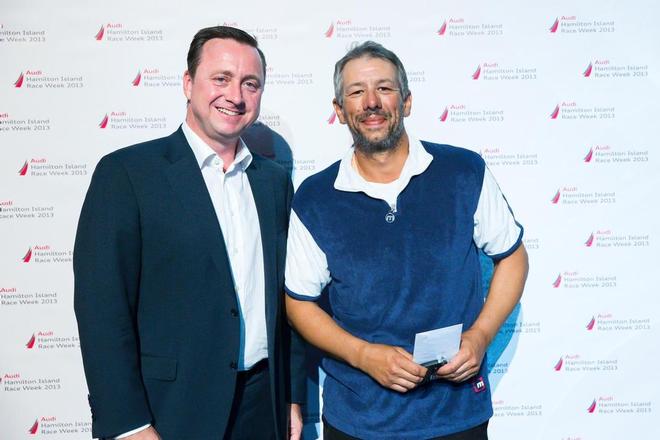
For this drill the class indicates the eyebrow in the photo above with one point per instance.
(249, 77)
(224, 72)
(361, 83)
(245, 78)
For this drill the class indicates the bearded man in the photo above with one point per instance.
(393, 230)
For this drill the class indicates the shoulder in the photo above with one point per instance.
(140, 151)
(456, 156)
(322, 181)
(138, 162)
(316, 188)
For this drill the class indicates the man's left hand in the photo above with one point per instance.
(295, 422)
(467, 361)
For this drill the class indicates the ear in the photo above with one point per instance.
(339, 111)
(187, 85)
(407, 105)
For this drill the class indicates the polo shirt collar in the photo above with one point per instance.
(349, 179)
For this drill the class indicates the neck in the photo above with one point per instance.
(383, 167)
(224, 148)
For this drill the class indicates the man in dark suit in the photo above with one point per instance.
(179, 270)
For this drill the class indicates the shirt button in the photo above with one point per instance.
(234, 313)
(233, 365)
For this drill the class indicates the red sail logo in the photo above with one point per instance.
(24, 169)
(589, 155)
(556, 197)
(19, 82)
(590, 325)
(28, 256)
(443, 116)
(559, 364)
(592, 407)
(35, 426)
(331, 119)
(477, 73)
(590, 240)
(30, 343)
(104, 121)
(330, 31)
(443, 28)
(136, 80)
(557, 282)
(99, 34)
(587, 71)
(555, 112)
(554, 26)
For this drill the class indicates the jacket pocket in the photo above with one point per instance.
(159, 368)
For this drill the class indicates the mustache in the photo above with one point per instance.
(376, 112)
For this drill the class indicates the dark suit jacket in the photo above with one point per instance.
(154, 297)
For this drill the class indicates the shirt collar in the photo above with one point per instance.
(348, 178)
(204, 154)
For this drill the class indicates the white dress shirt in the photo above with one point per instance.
(234, 206)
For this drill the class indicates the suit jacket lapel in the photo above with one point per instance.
(188, 184)
(264, 199)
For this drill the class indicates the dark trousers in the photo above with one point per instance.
(476, 433)
(251, 415)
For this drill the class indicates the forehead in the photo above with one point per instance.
(221, 53)
(367, 68)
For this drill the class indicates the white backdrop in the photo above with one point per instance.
(558, 98)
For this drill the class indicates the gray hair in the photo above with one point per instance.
(370, 49)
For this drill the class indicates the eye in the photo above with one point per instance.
(385, 89)
(220, 80)
(356, 92)
(251, 85)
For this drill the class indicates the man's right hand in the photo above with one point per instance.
(392, 367)
(146, 434)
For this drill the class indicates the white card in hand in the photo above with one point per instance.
(438, 344)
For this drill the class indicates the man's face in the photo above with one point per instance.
(225, 94)
(373, 107)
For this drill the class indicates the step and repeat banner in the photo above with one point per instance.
(559, 98)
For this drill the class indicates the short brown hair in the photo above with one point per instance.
(222, 32)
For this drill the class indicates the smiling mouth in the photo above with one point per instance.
(373, 117)
(373, 121)
(228, 112)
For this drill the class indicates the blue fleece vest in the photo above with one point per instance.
(393, 280)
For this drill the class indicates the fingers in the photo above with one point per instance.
(399, 388)
(462, 373)
(404, 375)
(452, 366)
(463, 366)
(412, 370)
(410, 367)
(397, 370)
(392, 367)
(466, 375)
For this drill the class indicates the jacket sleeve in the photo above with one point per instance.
(297, 361)
(106, 264)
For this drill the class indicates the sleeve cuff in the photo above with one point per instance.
(299, 297)
(134, 431)
(512, 249)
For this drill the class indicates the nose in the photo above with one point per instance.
(234, 93)
(371, 100)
